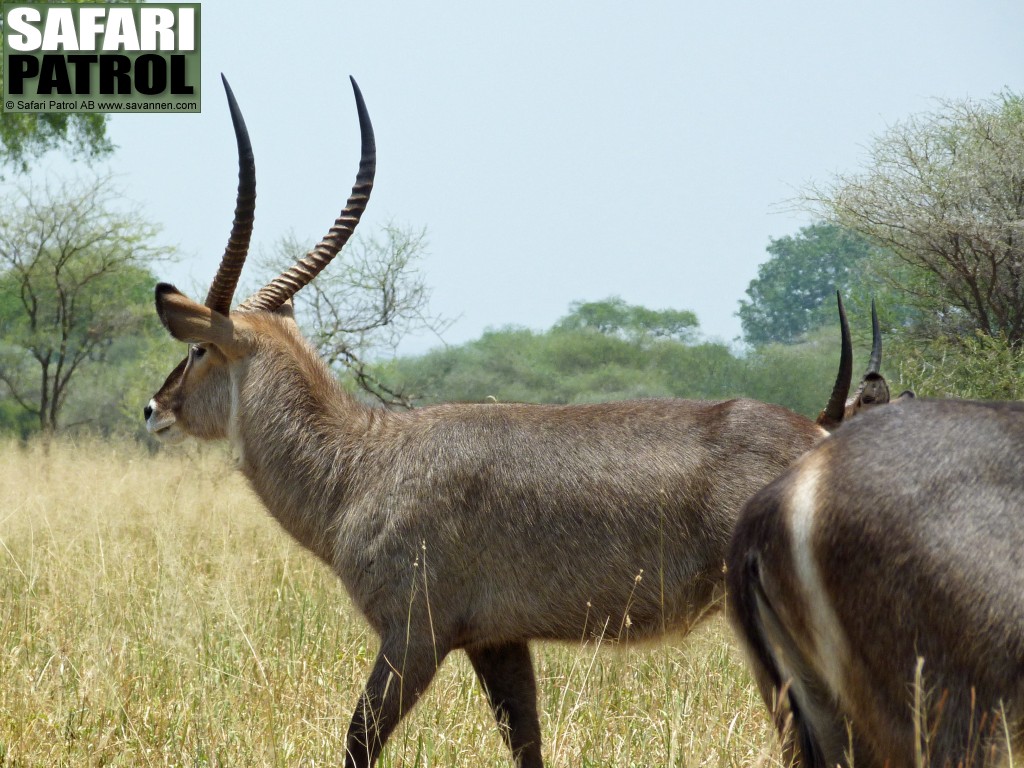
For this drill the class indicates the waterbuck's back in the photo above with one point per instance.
(898, 542)
(557, 521)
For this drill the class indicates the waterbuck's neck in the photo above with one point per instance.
(296, 433)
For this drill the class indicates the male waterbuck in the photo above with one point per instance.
(473, 527)
(878, 585)
(873, 389)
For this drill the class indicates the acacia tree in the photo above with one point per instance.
(614, 317)
(73, 278)
(365, 303)
(944, 193)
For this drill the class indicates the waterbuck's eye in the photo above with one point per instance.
(198, 352)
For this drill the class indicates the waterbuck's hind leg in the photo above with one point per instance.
(399, 677)
(506, 674)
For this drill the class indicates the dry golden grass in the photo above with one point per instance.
(152, 614)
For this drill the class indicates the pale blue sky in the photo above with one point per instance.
(555, 151)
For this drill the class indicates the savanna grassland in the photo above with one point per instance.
(152, 614)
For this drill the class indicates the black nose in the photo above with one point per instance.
(147, 412)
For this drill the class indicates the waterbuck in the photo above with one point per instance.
(473, 527)
(878, 585)
(873, 389)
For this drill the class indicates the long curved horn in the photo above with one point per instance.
(875, 364)
(832, 416)
(283, 287)
(224, 282)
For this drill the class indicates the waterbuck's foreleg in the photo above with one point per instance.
(399, 677)
(506, 673)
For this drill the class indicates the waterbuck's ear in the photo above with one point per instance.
(195, 323)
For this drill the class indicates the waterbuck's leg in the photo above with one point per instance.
(399, 677)
(506, 673)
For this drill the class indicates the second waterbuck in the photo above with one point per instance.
(467, 527)
(879, 587)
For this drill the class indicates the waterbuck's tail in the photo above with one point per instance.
(813, 732)
(776, 656)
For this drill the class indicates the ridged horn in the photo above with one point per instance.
(875, 364)
(283, 287)
(223, 287)
(832, 416)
